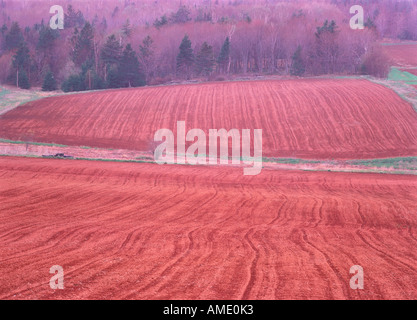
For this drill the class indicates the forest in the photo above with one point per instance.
(131, 43)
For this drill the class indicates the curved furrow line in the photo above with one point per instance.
(315, 118)
(342, 282)
(10, 295)
(314, 271)
(278, 216)
(46, 245)
(252, 269)
(162, 273)
(284, 229)
(384, 254)
(320, 218)
(410, 232)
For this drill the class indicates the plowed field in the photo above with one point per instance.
(311, 119)
(402, 54)
(176, 232)
(412, 71)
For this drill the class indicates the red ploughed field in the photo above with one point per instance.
(311, 119)
(412, 71)
(401, 54)
(143, 231)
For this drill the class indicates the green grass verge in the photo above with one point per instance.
(409, 163)
(3, 92)
(402, 165)
(33, 143)
(290, 161)
(21, 155)
(398, 75)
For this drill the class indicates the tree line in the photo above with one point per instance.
(95, 53)
(115, 66)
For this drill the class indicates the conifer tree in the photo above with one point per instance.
(21, 64)
(73, 19)
(14, 37)
(49, 82)
(113, 79)
(130, 74)
(205, 60)
(127, 29)
(297, 65)
(110, 54)
(83, 47)
(147, 56)
(224, 56)
(47, 37)
(185, 58)
(23, 80)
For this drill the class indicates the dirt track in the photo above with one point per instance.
(311, 119)
(144, 231)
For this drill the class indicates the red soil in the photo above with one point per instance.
(312, 119)
(145, 231)
(402, 55)
(412, 71)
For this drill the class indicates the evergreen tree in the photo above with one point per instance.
(181, 16)
(103, 24)
(327, 27)
(86, 75)
(113, 80)
(73, 43)
(111, 51)
(83, 46)
(370, 24)
(130, 74)
(160, 23)
(46, 49)
(21, 64)
(47, 37)
(73, 19)
(21, 60)
(3, 29)
(297, 65)
(14, 37)
(223, 59)
(203, 16)
(110, 54)
(49, 82)
(185, 58)
(23, 80)
(205, 60)
(73, 83)
(98, 82)
(147, 56)
(127, 29)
